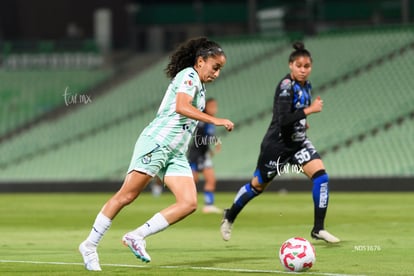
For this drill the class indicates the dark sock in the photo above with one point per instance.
(320, 194)
(245, 194)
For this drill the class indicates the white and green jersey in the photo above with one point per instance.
(170, 128)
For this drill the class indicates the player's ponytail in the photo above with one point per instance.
(187, 53)
(300, 51)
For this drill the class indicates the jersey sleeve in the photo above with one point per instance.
(187, 83)
(283, 104)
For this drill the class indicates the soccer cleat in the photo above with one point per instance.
(137, 246)
(211, 209)
(225, 227)
(90, 257)
(324, 235)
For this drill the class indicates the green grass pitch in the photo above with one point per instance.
(39, 235)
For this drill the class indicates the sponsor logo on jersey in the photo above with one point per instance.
(189, 83)
(202, 93)
(271, 174)
(284, 93)
(272, 164)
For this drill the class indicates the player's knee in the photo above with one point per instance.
(260, 182)
(190, 205)
(127, 198)
(258, 187)
(320, 176)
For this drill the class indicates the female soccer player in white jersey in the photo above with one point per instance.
(161, 149)
(286, 142)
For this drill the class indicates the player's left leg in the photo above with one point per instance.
(315, 170)
(134, 183)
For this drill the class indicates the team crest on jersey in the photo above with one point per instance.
(147, 158)
(286, 84)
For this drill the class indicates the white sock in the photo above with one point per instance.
(154, 225)
(100, 226)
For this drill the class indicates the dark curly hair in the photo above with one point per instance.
(187, 53)
(299, 51)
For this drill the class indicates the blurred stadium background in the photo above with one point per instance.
(78, 84)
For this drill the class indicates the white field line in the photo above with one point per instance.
(186, 267)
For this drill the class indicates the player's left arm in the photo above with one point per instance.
(315, 107)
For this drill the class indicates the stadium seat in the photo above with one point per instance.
(95, 141)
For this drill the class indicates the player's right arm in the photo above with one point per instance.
(185, 108)
(283, 104)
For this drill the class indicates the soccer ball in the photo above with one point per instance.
(297, 254)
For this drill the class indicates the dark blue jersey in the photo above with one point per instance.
(288, 125)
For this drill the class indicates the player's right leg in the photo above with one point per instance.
(134, 183)
(146, 161)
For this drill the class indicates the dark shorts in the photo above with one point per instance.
(275, 159)
(201, 162)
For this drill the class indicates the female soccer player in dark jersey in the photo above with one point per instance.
(285, 142)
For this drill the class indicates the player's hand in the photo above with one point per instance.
(226, 123)
(317, 105)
